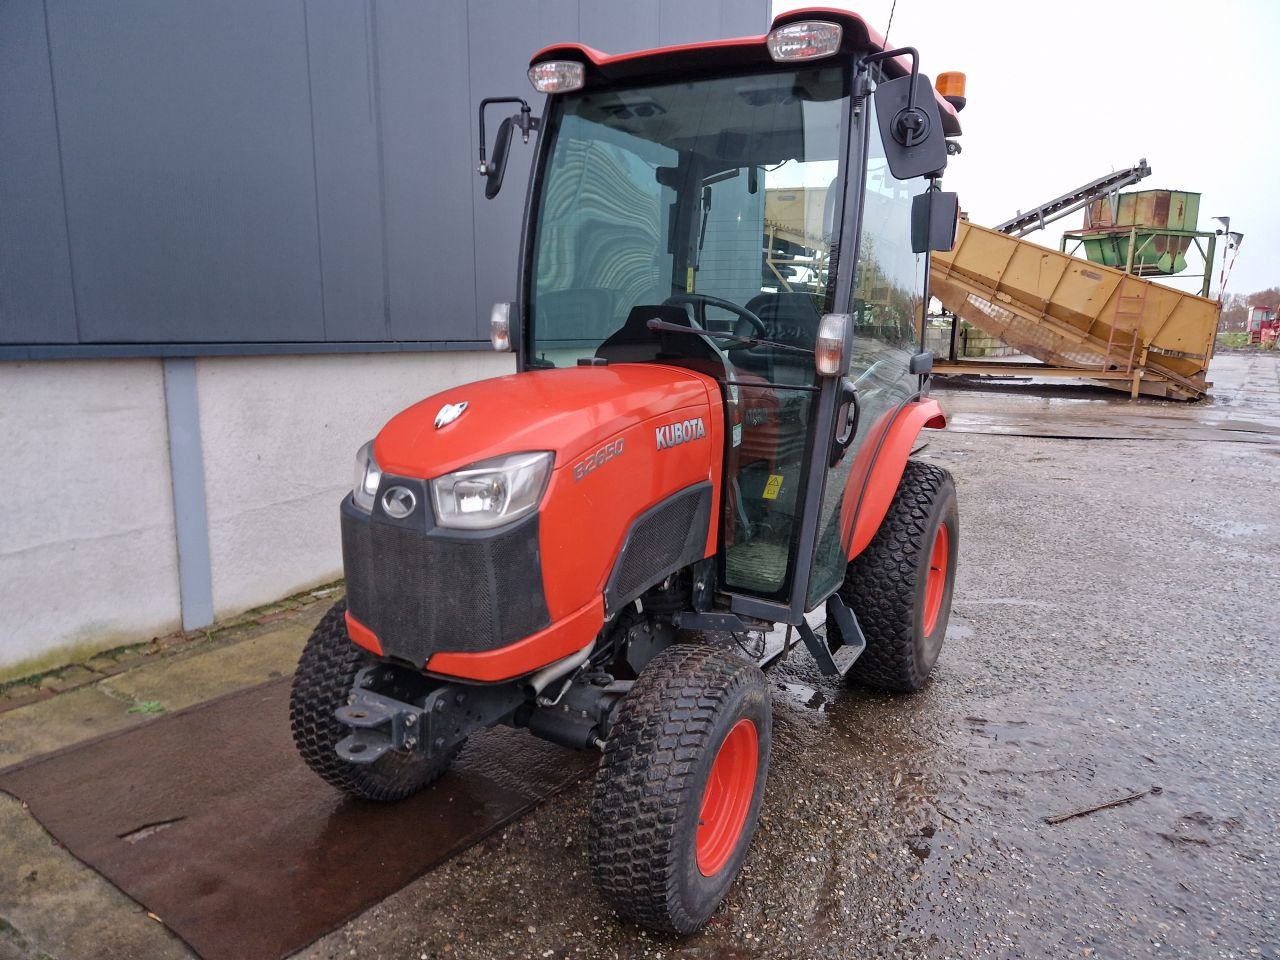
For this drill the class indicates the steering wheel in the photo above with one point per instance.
(704, 300)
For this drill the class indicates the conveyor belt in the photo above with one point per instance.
(1073, 314)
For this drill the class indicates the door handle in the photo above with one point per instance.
(853, 412)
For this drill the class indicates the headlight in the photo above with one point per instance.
(492, 492)
(368, 476)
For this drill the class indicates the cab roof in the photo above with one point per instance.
(693, 59)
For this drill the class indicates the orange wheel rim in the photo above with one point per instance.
(727, 797)
(936, 584)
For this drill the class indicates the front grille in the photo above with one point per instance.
(425, 592)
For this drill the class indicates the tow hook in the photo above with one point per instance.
(436, 721)
(379, 724)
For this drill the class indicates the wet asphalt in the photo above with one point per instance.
(1114, 633)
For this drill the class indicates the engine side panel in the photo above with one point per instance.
(587, 513)
(632, 442)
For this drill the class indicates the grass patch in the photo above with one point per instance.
(1237, 338)
(147, 707)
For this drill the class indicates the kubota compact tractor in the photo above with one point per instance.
(720, 380)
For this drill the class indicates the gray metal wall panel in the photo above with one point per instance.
(345, 128)
(283, 172)
(680, 19)
(427, 168)
(36, 297)
(187, 159)
(616, 26)
(741, 18)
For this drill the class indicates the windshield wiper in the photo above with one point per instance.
(665, 327)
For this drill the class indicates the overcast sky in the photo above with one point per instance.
(1062, 93)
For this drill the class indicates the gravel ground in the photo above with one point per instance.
(1114, 631)
(1113, 635)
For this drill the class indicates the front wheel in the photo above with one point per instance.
(678, 793)
(900, 585)
(325, 675)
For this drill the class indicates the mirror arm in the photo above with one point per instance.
(865, 63)
(525, 120)
(911, 124)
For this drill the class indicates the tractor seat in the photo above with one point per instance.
(790, 317)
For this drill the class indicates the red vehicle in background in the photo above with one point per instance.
(1263, 326)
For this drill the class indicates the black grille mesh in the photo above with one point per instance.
(426, 594)
(665, 539)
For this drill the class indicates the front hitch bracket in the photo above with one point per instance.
(432, 725)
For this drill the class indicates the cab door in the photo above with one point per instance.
(886, 306)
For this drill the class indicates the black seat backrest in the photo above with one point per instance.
(790, 316)
(634, 342)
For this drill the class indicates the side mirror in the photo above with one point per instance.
(492, 170)
(935, 218)
(911, 127)
(498, 165)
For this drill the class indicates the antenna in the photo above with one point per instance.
(890, 26)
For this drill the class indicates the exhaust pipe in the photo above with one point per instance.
(549, 674)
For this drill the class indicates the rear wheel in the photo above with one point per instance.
(679, 789)
(900, 585)
(325, 675)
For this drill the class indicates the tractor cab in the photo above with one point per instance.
(720, 380)
(708, 209)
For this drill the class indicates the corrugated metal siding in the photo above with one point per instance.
(249, 173)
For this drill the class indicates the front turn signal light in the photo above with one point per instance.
(500, 327)
(831, 352)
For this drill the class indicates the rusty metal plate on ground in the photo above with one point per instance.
(211, 821)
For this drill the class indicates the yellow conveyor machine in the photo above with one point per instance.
(1077, 317)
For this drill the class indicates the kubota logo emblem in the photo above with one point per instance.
(684, 431)
(399, 502)
(449, 413)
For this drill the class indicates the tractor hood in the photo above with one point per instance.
(568, 411)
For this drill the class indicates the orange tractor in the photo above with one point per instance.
(611, 545)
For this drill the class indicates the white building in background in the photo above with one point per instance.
(229, 252)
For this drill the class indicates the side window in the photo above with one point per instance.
(890, 277)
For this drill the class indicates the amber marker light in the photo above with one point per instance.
(950, 87)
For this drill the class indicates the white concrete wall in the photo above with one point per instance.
(88, 552)
(87, 549)
(280, 436)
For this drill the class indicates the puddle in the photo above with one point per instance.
(803, 696)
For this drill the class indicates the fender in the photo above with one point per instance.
(879, 466)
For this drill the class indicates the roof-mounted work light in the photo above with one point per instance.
(557, 76)
(805, 40)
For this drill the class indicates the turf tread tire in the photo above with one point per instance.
(650, 782)
(325, 675)
(882, 588)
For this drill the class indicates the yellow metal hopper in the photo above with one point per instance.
(1077, 317)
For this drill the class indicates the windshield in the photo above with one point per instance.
(713, 199)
